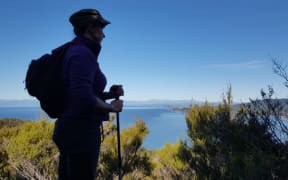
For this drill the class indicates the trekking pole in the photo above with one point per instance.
(119, 145)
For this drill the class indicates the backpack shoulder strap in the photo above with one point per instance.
(62, 48)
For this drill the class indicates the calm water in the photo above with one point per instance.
(164, 126)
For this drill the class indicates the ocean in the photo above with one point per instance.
(164, 125)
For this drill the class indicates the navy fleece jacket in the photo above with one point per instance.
(79, 127)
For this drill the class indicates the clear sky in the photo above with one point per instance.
(158, 49)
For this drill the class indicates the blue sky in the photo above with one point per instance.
(158, 49)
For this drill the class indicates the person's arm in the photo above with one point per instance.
(80, 92)
(114, 92)
(107, 96)
(115, 106)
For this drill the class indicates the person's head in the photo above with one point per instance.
(89, 23)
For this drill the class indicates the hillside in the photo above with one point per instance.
(235, 106)
(283, 102)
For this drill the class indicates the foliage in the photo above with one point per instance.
(135, 161)
(281, 70)
(32, 152)
(169, 164)
(27, 148)
(246, 146)
(10, 122)
(8, 129)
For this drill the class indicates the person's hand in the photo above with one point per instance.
(116, 91)
(116, 105)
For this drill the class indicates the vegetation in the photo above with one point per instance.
(8, 129)
(28, 150)
(135, 160)
(251, 143)
(247, 146)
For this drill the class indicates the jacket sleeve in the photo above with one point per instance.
(106, 96)
(80, 74)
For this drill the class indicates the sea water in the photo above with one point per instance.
(164, 125)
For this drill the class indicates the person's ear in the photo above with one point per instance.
(90, 29)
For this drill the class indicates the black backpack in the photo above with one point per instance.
(44, 81)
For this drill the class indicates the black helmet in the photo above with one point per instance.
(85, 17)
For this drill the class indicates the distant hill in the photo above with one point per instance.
(19, 103)
(235, 106)
(161, 103)
(175, 105)
(150, 103)
(283, 102)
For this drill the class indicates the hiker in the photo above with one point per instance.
(77, 132)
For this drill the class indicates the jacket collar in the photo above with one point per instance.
(94, 47)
